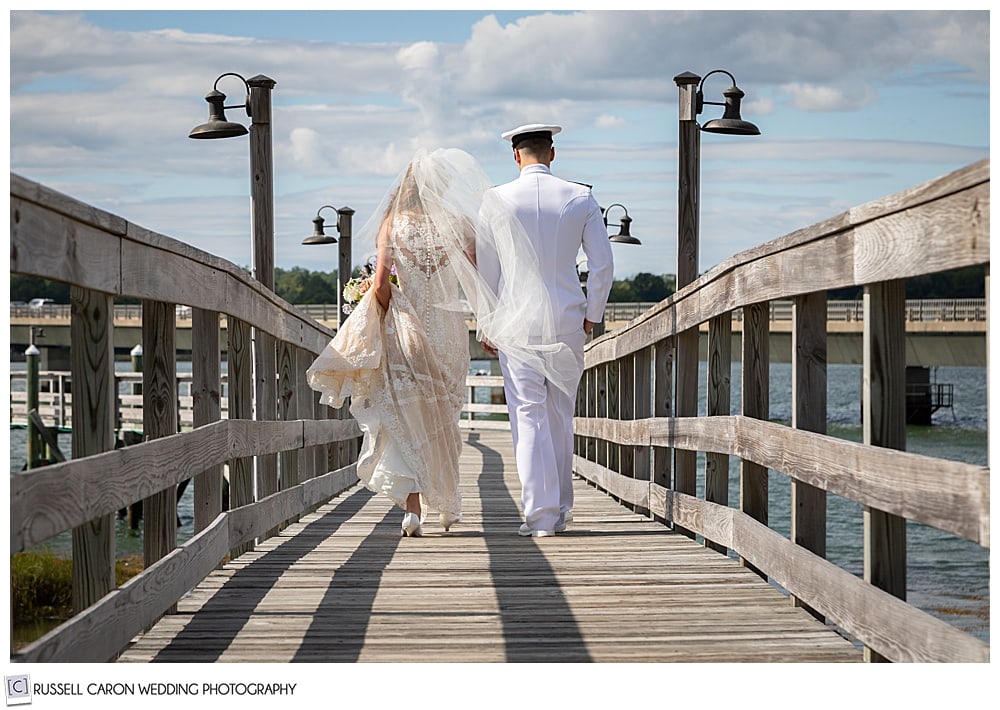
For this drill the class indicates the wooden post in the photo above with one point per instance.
(92, 369)
(809, 414)
(159, 419)
(643, 407)
(206, 395)
(720, 358)
(241, 481)
(288, 405)
(345, 217)
(884, 424)
(591, 442)
(663, 353)
(134, 509)
(262, 210)
(614, 404)
(33, 452)
(307, 400)
(755, 396)
(688, 197)
(602, 410)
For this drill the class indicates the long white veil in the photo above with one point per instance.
(486, 264)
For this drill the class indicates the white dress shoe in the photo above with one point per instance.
(448, 520)
(411, 525)
(526, 531)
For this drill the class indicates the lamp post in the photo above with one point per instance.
(319, 236)
(258, 107)
(690, 104)
(264, 405)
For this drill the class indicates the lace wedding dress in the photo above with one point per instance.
(404, 369)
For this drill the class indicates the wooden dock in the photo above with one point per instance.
(299, 563)
(342, 585)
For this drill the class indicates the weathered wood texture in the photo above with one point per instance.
(883, 415)
(881, 621)
(808, 505)
(56, 498)
(206, 393)
(342, 585)
(111, 255)
(92, 363)
(104, 629)
(940, 225)
(949, 495)
(159, 419)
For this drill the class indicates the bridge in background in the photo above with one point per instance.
(938, 331)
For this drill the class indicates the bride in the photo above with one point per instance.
(402, 356)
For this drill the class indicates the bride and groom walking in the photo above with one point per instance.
(451, 242)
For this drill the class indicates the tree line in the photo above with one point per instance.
(301, 286)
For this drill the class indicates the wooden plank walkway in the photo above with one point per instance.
(342, 585)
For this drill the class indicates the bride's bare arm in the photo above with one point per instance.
(383, 266)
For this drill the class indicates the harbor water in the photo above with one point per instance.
(946, 575)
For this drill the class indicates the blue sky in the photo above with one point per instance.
(852, 106)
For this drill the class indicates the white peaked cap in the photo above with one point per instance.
(531, 128)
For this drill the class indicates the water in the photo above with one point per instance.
(946, 575)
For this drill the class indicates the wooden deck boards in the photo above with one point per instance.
(342, 585)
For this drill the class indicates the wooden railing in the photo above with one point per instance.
(55, 401)
(102, 256)
(631, 443)
(920, 310)
(627, 437)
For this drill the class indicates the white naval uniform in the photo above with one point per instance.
(559, 217)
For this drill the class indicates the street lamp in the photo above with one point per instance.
(624, 236)
(690, 104)
(731, 123)
(258, 107)
(265, 401)
(319, 236)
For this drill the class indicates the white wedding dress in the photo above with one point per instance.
(404, 369)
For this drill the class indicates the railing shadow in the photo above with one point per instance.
(337, 631)
(219, 621)
(528, 593)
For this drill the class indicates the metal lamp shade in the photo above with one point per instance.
(217, 125)
(731, 123)
(318, 235)
(624, 236)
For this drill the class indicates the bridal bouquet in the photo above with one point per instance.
(357, 286)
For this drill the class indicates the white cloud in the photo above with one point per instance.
(105, 114)
(606, 120)
(420, 55)
(811, 97)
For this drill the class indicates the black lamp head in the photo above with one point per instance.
(731, 122)
(624, 236)
(217, 125)
(319, 236)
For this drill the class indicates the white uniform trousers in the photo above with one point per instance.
(541, 417)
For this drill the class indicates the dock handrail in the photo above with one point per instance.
(627, 431)
(55, 400)
(101, 256)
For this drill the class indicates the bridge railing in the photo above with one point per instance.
(633, 441)
(288, 460)
(917, 310)
(55, 400)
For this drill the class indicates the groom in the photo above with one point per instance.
(559, 217)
